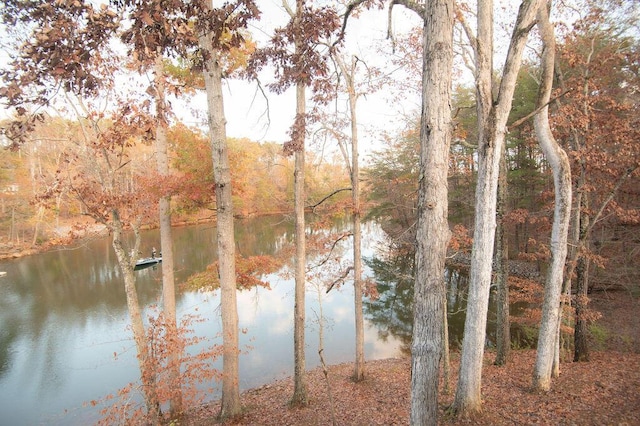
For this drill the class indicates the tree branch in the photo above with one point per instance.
(340, 278)
(411, 5)
(520, 121)
(333, 246)
(347, 13)
(312, 207)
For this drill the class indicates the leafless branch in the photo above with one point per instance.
(312, 207)
(333, 246)
(347, 13)
(519, 122)
(340, 279)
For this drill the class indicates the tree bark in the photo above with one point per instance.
(358, 374)
(433, 233)
(349, 75)
(145, 361)
(230, 403)
(300, 396)
(559, 162)
(300, 381)
(492, 119)
(503, 324)
(581, 331)
(166, 243)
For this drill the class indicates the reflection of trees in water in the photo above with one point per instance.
(8, 334)
(392, 312)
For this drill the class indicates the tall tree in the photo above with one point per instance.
(596, 120)
(348, 73)
(212, 24)
(432, 231)
(492, 120)
(66, 54)
(150, 37)
(557, 158)
(308, 28)
(432, 237)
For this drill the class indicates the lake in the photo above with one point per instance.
(64, 337)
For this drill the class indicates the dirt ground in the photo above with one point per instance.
(605, 391)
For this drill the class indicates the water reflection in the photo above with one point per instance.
(63, 317)
(392, 311)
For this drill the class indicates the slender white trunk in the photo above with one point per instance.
(492, 120)
(559, 162)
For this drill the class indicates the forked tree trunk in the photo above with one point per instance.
(492, 120)
(166, 245)
(432, 237)
(230, 403)
(559, 162)
(146, 362)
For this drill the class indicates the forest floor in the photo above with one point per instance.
(604, 391)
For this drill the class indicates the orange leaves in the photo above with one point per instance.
(168, 353)
(460, 239)
(249, 271)
(250, 268)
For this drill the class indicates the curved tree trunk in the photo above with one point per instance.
(230, 403)
(432, 237)
(492, 120)
(557, 158)
(145, 361)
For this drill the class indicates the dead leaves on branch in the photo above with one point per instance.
(66, 48)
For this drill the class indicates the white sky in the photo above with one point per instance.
(245, 106)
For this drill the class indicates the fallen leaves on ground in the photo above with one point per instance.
(605, 391)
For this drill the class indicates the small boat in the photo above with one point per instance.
(146, 262)
(2, 273)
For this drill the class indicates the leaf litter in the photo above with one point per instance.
(604, 391)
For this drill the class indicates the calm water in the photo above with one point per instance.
(63, 317)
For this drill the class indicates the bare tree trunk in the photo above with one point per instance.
(492, 119)
(446, 362)
(349, 75)
(166, 243)
(358, 373)
(145, 360)
(300, 381)
(36, 228)
(503, 332)
(580, 341)
(230, 403)
(433, 232)
(557, 158)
